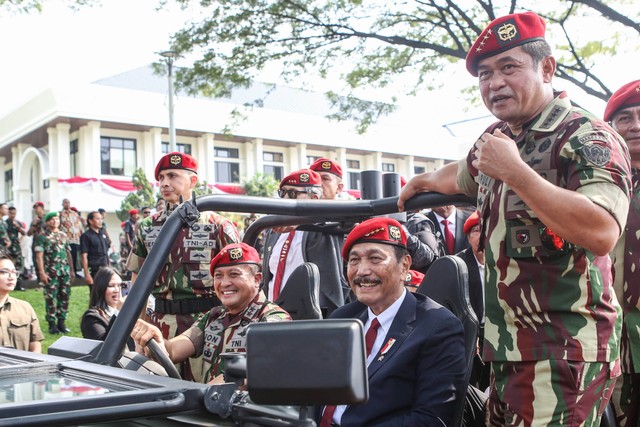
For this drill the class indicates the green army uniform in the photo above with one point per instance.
(220, 332)
(626, 268)
(184, 288)
(550, 305)
(55, 250)
(15, 251)
(4, 237)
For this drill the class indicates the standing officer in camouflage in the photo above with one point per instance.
(184, 288)
(54, 266)
(15, 230)
(5, 242)
(552, 183)
(623, 111)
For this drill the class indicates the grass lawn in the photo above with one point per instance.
(78, 304)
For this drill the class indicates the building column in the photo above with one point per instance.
(55, 198)
(22, 193)
(407, 167)
(373, 161)
(257, 145)
(207, 158)
(63, 148)
(153, 152)
(3, 169)
(89, 158)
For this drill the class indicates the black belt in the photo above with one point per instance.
(187, 306)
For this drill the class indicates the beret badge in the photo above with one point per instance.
(235, 254)
(508, 32)
(304, 177)
(326, 166)
(394, 233)
(175, 160)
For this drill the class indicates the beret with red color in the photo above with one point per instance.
(133, 211)
(302, 178)
(325, 165)
(413, 278)
(472, 221)
(176, 160)
(503, 34)
(376, 230)
(36, 204)
(627, 96)
(235, 253)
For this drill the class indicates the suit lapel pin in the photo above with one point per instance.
(386, 348)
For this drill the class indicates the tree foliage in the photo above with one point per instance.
(377, 43)
(28, 6)
(260, 185)
(143, 196)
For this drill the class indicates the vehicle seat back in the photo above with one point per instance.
(301, 294)
(447, 283)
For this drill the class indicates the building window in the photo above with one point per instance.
(276, 171)
(353, 164)
(311, 159)
(117, 156)
(8, 185)
(388, 167)
(73, 154)
(418, 170)
(229, 153)
(181, 148)
(268, 156)
(354, 180)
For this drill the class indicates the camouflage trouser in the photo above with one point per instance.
(550, 392)
(626, 400)
(172, 325)
(18, 261)
(56, 297)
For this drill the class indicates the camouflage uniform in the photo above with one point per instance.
(220, 332)
(550, 305)
(15, 250)
(184, 288)
(627, 285)
(55, 251)
(4, 237)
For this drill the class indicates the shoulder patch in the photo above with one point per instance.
(597, 154)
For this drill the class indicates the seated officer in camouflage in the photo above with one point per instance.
(623, 111)
(184, 288)
(236, 280)
(553, 184)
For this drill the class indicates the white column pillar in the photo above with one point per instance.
(55, 198)
(64, 166)
(89, 158)
(407, 167)
(207, 160)
(374, 161)
(248, 161)
(258, 147)
(3, 169)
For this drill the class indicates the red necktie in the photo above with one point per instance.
(449, 240)
(369, 339)
(277, 282)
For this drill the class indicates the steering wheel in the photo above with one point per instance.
(162, 358)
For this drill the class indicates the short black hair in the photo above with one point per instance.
(537, 50)
(12, 208)
(92, 214)
(101, 210)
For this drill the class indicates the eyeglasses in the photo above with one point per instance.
(5, 272)
(293, 194)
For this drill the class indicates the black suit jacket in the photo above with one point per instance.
(475, 283)
(462, 242)
(419, 379)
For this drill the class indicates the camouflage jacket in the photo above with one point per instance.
(547, 298)
(626, 268)
(55, 249)
(185, 273)
(4, 238)
(220, 332)
(14, 235)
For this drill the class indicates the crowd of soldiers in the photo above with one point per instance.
(552, 254)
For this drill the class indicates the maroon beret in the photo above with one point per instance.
(472, 221)
(235, 253)
(326, 165)
(503, 34)
(413, 278)
(627, 96)
(122, 224)
(376, 230)
(133, 211)
(176, 160)
(302, 178)
(36, 204)
(73, 208)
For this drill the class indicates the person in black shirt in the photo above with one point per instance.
(94, 247)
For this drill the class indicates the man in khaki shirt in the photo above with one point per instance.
(19, 327)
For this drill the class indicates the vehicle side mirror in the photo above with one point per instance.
(307, 362)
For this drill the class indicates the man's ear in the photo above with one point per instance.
(548, 66)
(258, 277)
(194, 180)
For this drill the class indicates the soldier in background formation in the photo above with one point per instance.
(15, 231)
(71, 224)
(553, 185)
(184, 289)
(623, 111)
(236, 280)
(54, 266)
(5, 242)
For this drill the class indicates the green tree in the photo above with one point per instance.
(260, 185)
(28, 6)
(378, 43)
(143, 196)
